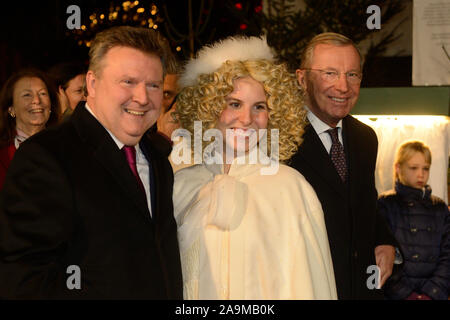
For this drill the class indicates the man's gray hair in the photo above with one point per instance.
(326, 38)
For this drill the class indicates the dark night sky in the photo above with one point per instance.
(34, 33)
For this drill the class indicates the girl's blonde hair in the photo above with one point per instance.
(407, 150)
(205, 100)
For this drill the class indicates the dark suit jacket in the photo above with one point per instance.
(354, 227)
(70, 199)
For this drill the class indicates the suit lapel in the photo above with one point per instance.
(114, 161)
(353, 149)
(109, 156)
(155, 148)
(319, 159)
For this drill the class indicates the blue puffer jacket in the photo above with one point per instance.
(421, 224)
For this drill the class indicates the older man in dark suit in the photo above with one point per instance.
(338, 158)
(86, 209)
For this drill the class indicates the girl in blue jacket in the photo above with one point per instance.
(421, 224)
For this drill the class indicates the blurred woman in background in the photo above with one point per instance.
(69, 79)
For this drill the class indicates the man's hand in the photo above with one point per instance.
(384, 257)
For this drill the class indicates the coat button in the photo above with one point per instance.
(416, 256)
(411, 204)
(355, 254)
(413, 230)
(429, 229)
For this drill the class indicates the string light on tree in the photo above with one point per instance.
(195, 27)
(132, 13)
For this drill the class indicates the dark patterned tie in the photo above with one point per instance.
(130, 154)
(337, 154)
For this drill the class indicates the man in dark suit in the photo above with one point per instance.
(338, 158)
(86, 210)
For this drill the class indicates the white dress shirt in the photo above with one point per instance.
(321, 129)
(141, 163)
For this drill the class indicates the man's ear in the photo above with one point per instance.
(60, 90)
(301, 78)
(90, 83)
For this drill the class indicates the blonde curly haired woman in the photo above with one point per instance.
(243, 233)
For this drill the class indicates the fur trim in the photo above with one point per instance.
(210, 58)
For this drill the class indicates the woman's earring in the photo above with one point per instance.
(12, 114)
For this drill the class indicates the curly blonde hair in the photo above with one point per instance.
(205, 100)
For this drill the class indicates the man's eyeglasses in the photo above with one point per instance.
(332, 76)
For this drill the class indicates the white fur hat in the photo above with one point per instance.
(210, 58)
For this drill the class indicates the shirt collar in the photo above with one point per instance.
(318, 125)
(20, 137)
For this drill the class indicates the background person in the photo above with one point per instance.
(97, 190)
(28, 103)
(421, 224)
(243, 234)
(338, 158)
(69, 78)
(166, 123)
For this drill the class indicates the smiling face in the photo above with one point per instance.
(31, 104)
(331, 101)
(126, 96)
(414, 172)
(245, 113)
